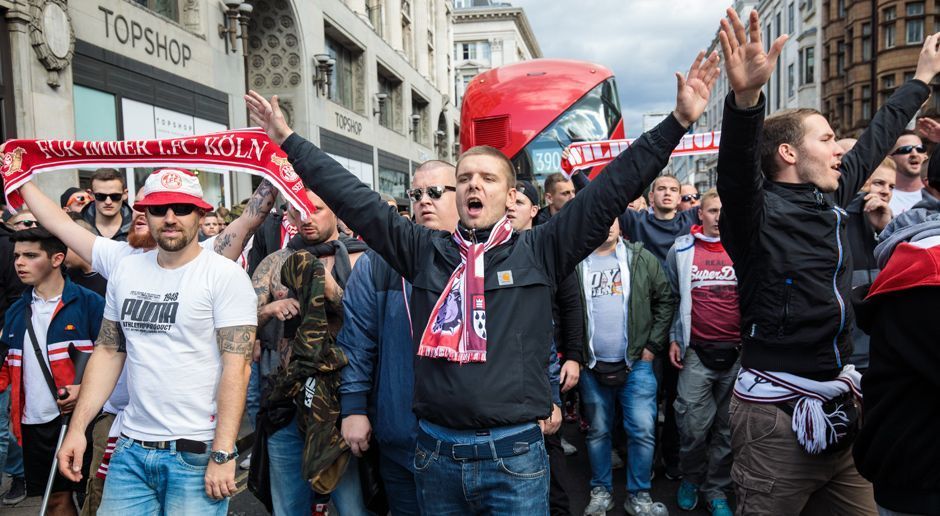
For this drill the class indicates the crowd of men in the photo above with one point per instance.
(424, 364)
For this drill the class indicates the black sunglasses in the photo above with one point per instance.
(180, 210)
(691, 197)
(434, 192)
(28, 223)
(115, 197)
(907, 149)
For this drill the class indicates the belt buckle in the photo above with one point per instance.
(453, 451)
(153, 445)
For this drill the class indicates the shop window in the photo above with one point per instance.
(167, 8)
(95, 114)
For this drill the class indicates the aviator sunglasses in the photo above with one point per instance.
(115, 197)
(180, 210)
(691, 197)
(434, 192)
(907, 149)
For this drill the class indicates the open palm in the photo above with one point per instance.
(695, 88)
(747, 64)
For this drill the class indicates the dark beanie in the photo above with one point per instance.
(525, 188)
(64, 199)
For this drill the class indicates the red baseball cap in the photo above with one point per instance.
(172, 186)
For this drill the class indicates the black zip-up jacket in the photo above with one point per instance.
(788, 242)
(127, 217)
(511, 387)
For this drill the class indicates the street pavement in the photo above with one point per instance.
(579, 476)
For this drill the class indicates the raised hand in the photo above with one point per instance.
(929, 128)
(268, 116)
(928, 64)
(693, 90)
(747, 65)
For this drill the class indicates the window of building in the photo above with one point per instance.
(914, 8)
(908, 76)
(849, 46)
(809, 65)
(889, 36)
(420, 119)
(847, 108)
(390, 108)
(463, 80)
(768, 39)
(376, 12)
(95, 114)
(791, 80)
(167, 8)
(791, 18)
(346, 84)
(888, 86)
(866, 41)
(840, 8)
(777, 24)
(473, 51)
(840, 58)
(915, 31)
(866, 102)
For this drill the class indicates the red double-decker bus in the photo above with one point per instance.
(534, 109)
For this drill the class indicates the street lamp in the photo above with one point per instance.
(324, 64)
(236, 13)
(380, 99)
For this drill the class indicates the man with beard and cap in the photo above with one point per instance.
(104, 255)
(183, 319)
(291, 493)
(481, 301)
(909, 154)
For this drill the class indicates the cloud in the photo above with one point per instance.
(643, 41)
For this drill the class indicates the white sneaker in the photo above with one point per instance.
(568, 447)
(601, 502)
(245, 464)
(615, 461)
(641, 504)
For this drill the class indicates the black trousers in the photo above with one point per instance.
(670, 433)
(558, 502)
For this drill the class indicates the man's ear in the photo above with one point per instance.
(511, 198)
(787, 153)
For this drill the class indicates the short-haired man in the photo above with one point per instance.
(929, 204)
(688, 197)
(74, 200)
(378, 384)
(705, 338)
(558, 191)
(782, 184)
(53, 313)
(210, 226)
(658, 228)
(909, 154)
(869, 213)
(184, 320)
(109, 213)
(480, 450)
(291, 493)
(629, 308)
(896, 448)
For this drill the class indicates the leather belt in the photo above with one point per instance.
(183, 445)
(508, 446)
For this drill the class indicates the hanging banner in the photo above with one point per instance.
(243, 150)
(584, 155)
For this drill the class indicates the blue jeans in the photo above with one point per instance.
(509, 485)
(637, 398)
(400, 487)
(144, 481)
(290, 494)
(11, 455)
(253, 398)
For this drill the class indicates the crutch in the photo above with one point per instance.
(79, 359)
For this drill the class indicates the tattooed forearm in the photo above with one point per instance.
(236, 339)
(111, 336)
(261, 200)
(223, 241)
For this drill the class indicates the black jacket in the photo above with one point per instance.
(11, 288)
(788, 242)
(127, 217)
(266, 240)
(511, 387)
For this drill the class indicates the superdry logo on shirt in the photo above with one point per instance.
(148, 313)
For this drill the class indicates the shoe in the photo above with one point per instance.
(245, 464)
(321, 509)
(601, 502)
(687, 497)
(673, 472)
(17, 492)
(571, 412)
(640, 504)
(568, 447)
(719, 507)
(615, 461)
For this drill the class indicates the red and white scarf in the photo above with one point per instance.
(584, 155)
(450, 333)
(245, 150)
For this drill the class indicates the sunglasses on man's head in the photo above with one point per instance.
(907, 149)
(115, 197)
(691, 197)
(434, 192)
(180, 210)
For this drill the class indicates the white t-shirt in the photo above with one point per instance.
(106, 254)
(169, 318)
(40, 405)
(903, 201)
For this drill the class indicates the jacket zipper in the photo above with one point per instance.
(835, 289)
(786, 306)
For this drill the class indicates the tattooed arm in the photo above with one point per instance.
(101, 375)
(235, 344)
(272, 295)
(232, 240)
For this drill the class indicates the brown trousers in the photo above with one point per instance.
(773, 475)
(95, 486)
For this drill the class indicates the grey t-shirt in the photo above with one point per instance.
(610, 328)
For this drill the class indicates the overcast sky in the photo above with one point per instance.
(643, 41)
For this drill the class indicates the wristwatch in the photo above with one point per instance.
(221, 457)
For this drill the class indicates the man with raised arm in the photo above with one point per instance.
(783, 183)
(481, 302)
(183, 318)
